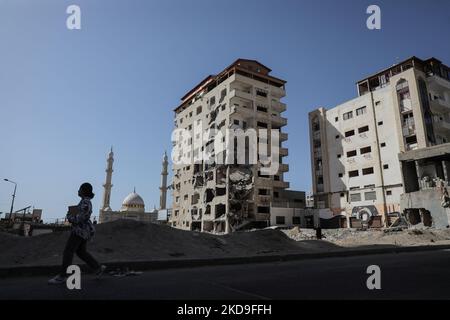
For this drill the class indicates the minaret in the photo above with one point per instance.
(163, 188)
(108, 185)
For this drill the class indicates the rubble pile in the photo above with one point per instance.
(127, 240)
(417, 235)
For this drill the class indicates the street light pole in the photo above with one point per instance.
(13, 197)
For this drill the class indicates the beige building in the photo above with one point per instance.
(220, 196)
(355, 146)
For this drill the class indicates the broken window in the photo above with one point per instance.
(221, 191)
(195, 198)
(209, 195)
(220, 210)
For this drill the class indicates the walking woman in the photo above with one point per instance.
(82, 231)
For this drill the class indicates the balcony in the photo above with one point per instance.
(440, 105)
(284, 152)
(284, 167)
(278, 92)
(281, 184)
(278, 106)
(278, 122)
(243, 94)
(283, 136)
(245, 110)
(436, 82)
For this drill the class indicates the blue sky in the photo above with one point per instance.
(67, 96)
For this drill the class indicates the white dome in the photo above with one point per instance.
(133, 202)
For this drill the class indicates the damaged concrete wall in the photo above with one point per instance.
(430, 200)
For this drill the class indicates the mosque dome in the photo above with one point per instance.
(133, 202)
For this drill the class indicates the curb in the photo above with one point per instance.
(190, 263)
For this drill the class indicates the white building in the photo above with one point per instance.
(355, 146)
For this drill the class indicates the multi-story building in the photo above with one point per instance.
(355, 146)
(217, 196)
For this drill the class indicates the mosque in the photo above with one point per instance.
(133, 206)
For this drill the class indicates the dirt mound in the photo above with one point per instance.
(353, 238)
(127, 240)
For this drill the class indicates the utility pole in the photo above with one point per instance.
(13, 197)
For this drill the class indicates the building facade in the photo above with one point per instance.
(218, 195)
(355, 146)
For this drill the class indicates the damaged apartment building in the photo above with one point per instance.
(218, 196)
(363, 151)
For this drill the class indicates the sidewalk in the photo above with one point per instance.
(192, 263)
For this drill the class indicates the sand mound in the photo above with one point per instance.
(127, 240)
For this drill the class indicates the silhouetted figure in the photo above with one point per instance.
(319, 233)
(82, 231)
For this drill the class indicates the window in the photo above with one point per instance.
(348, 115)
(338, 136)
(383, 144)
(263, 192)
(262, 125)
(353, 173)
(367, 171)
(295, 220)
(340, 175)
(276, 194)
(377, 103)
(280, 220)
(199, 110)
(361, 111)
(236, 122)
(212, 101)
(261, 93)
(261, 108)
(336, 119)
(363, 129)
(350, 133)
(386, 166)
(351, 154)
(380, 123)
(339, 156)
(355, 197)
(342, 194)
(371, 195)
(366, 150)
(263, 209)
(389, 193)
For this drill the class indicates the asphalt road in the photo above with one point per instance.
(421, 275)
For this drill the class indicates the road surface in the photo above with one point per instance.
(421, 275)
